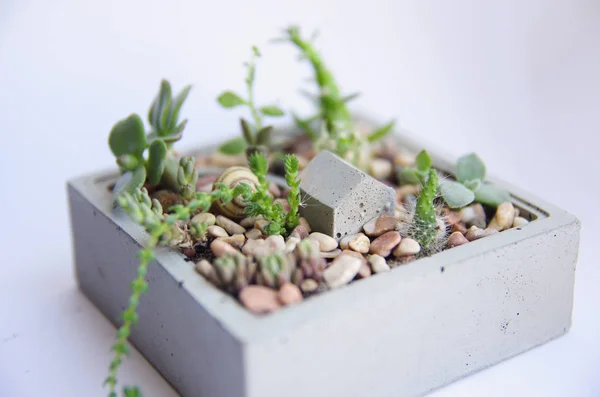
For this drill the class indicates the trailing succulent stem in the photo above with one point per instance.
(425, 228)
(128, 141)
(255, 136)
(291, 179)
(341, 135)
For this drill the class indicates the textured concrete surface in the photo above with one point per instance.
(402, 333)
(340, 198)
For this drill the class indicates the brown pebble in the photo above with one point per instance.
(189, 252)
(290, 294)
(217, 231)
(236, 241)
(459, 227)
(299, 232)
(260, 299)
(364, 271)
(250, 221)
(309, 285)
(383, 224)
(384, 244)
(456, 239)
(451, 217)
(220, 248)
(253, 234)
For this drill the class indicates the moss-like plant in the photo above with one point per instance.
(341, 135)
(129, 142)
(255, 135)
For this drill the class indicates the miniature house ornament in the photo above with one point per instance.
(340, 198)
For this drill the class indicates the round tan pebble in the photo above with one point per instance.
(303, 222)
(277, 242)
(407, 246)
(290, 294)
(364, 271)
(217, 231)
(404, 160)
(250, 221)
(253, 234)
(236, 241)
(384, 244)
(474, 233)
(360, 243)
(504, 217)
(205, 268)
(220, 248)
(456, 239)
(342, 270)
(459, 227)
(207, 218)
(230, 226)
(331, 254)
(378, 264)
(309, 285)
(380, 168)
(260, 299)
(326, 243)
(519, 221)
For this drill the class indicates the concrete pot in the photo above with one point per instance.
(402, 333)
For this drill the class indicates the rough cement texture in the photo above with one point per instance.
(340, 198)
(402, 333)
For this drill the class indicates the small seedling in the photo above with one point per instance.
(255, 136)
(425, 229)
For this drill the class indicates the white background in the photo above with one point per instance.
(518, 81)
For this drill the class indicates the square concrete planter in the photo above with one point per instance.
(401, 333)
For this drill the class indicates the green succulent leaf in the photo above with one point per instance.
(423, 161)
(350, 97)
(230, 99)
(128, 137)
(408, 176)
(271, 111)
(156, 110)
(470, 167)
(129, 181)
(455, 194)
(164, 118)
(128, 162)
(381, 132)
(157, 154)
(177, 104)
(132, 392)
(491, 195)
(234, 146)
(263, 137)
(472, 185)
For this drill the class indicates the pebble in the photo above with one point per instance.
(260, 299)
(326, 243)
(380, 225)
(342, 270)
(189, 252)
(452, 217)
(364, 271)
(378, 264)
(236, 241)
(408, 258)
(205, 268)
(253, 234)
(504, 217)
(220, 248)
(303, 222)
(459, 227)
(403, 191)
(384, 244)
(309, 285)
(276, 241)
(331, 254)
(290, 294)
(300, 232)
(456, 239)
(407, 247)
(250, 221)
(261, 225)
(355, 254)
(291, 243)
(519, 221)
(473, 215)
(404, 160)
(360, 243)
(475, 233)
(346, 240)
(207, 218)
(217, 231)
(230, 226)
(380, 168)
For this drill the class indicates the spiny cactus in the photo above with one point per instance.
(425, 228)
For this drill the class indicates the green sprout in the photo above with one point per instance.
(341, 135)
(128, 141)
(424, 222)
(255, 136)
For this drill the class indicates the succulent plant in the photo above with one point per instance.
(310, 261)
(275, 269)
(129, 142)
(424, 224)
(255, 136)
(234, 272)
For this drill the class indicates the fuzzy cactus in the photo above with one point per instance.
(425, 228)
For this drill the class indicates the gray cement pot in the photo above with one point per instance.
(401, 333)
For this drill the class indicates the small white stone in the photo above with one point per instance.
(217, 231)
(378, 264)
(342, 270)
(207, 218)
(504, 218)
(331, 254)
(276, 241)
(230, 226)
(326, 243)
(291, 243)
(250, 221)
(519, 221)
(407, 246)
(380, 168)
(360, 243)
(473, 215)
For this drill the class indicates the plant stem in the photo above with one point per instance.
(250, 85)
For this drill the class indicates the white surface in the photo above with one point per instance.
(518, 82)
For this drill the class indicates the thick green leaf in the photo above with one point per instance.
(472, 185)
(234, 146)
(159, 102)
(408, 176)
(132, 392)
(455, 194)
(128, 162)
(128, 137)
(247, 132)
(470, 167)
(164, 118)
(230, 99)
(177, 104)
(423, 161)
(130, 181)
(157, 154)
(263, 137)
(381, 132)
(272, 111)
(491, 195)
